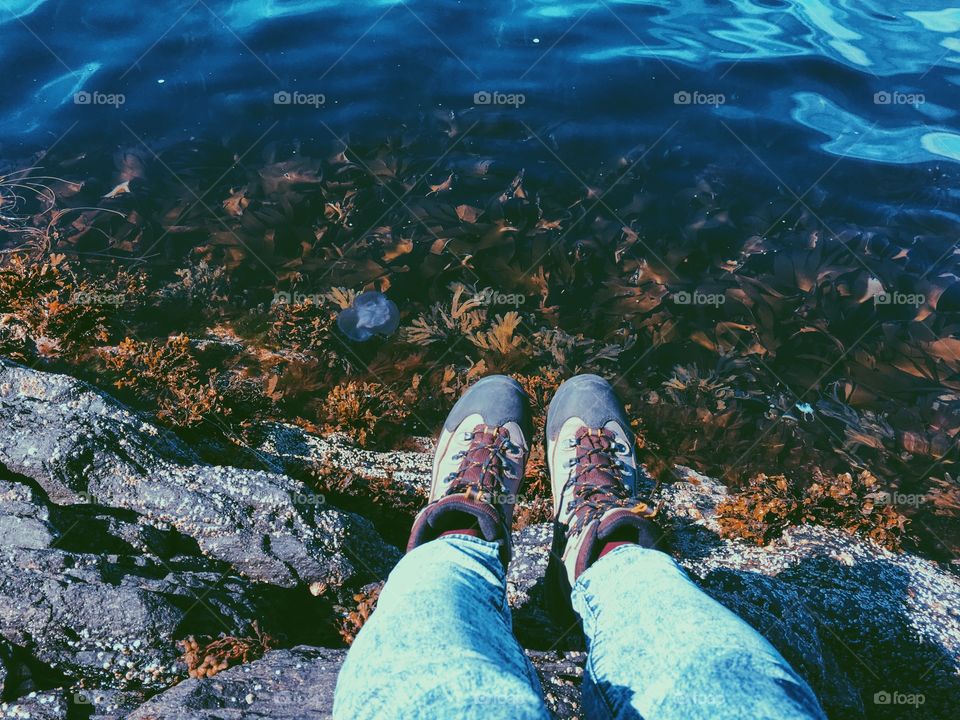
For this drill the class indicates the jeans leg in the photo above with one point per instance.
(440, 643)
(662, 649)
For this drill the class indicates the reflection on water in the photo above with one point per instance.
(607, 71)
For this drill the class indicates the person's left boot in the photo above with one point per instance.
(479, 465)
(593, 471)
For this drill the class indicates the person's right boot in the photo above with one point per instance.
(479, 464)
(593, 473)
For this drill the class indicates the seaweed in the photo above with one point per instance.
(852, 502)
(352, 619)
(744, 336)
(205, 656)
(169, 375)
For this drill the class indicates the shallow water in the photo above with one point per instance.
(614, 165)
(859, 97)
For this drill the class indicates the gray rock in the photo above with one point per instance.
(80, 598)
(116, 540)
(80, 445)
(293, 684)
(24, 523)
(299, 683)
(43, 705)
(292, 448)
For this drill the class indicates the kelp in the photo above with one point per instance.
(853, 502)
(205, 656)
(747, 335)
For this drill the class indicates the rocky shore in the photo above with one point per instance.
(117, 540)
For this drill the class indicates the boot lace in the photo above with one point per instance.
(597, 480)
(482, 465)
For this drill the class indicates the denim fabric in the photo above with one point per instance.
(662, 649)
(440, 645)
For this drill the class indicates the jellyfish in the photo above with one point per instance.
(372, 313)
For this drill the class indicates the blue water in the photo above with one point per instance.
(856, 99)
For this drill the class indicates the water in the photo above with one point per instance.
(750, 208)
(858, 97)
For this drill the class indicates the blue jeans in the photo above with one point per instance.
(440, 645)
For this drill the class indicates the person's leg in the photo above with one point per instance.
(662, 649)
(440, 643)
(659, 647)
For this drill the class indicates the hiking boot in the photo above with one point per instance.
(479, 465)
(593, 472)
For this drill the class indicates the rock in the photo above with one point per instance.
(45, 705)
(854, 619)
(6, 664)
(295, 684)
(299, 683)
(560, 676)
(92, 594)
(80, 445)
(24, 523)
(533, 626)
(295, 450)
(116, 540)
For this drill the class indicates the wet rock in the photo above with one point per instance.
(372, 313)
(299, 683)
(80, 445)
(116, 540)
(45, 705)
(296, 683)
(855, 620)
